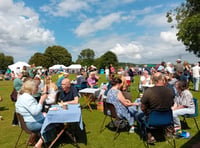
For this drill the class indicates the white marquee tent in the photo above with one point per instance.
(74, 68)
(54, 67)
(18, 66)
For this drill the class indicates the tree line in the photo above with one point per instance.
(60, 55)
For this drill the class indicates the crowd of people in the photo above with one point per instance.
(168, 89)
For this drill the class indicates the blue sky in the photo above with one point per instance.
(135, 30)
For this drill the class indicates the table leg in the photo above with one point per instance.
(88, 100)
(52, 143)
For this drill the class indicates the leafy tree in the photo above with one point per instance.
(86, 57)
(57, 55)
(187, 16)
(107, 59)
(8, 61)
(38, 59)
(5, 61)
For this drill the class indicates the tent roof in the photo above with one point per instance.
(19, 64)
(57, 66)
(74, 66)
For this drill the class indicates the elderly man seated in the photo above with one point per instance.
(93, 80)
(157, 97)
(69, 94)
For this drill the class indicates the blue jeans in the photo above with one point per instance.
(34, 126)
(180, 112)
(196, 83)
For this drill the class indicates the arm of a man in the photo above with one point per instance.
(75, 101)
(74, 96)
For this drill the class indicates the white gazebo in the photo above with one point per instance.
(18, 66)
(57, 67)
(74, 68)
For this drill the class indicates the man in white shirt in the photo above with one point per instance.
(196, 75)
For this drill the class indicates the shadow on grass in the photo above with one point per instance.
(77, 136)
(194, 142)
(3, 108)
(93, 106)
(123, 127)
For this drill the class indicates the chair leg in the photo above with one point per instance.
(174, 142)
(116, 132)
(196, 123)
(31, 140)
(103, 124)
(18, 138)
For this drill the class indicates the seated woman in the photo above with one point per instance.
(124, 107)
(93, 80)
(183, 104)
(30, 109)
(52, 90)
(145, 79)
(28, 106)
(109, 85)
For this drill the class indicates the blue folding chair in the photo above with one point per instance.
(159, 118)
(193, 115)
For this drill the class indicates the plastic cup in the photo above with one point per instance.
(64, 107)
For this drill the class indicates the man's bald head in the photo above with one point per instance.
(158, 78)
(66, 84)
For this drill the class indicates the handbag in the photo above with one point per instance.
(13, 95)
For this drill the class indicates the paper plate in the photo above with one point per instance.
(54, 108)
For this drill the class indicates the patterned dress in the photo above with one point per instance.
(122, 111)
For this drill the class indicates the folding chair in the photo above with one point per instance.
(24, 128)
(193, 115)
(109, 110)
(159, 118)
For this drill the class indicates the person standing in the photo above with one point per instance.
(107, 72)
(112, 69)
(196, 75)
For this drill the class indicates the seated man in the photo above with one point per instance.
(69, 94)
(93, 80)
(157, 97)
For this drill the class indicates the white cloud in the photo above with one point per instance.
(130, 50)
(170, 37)
(20, 29)
(65, 7)
(93, 25)
(155, 20)
(144, 49)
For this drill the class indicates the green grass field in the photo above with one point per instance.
(92, 121)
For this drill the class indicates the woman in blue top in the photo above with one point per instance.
(28, 106)
(124, 107)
